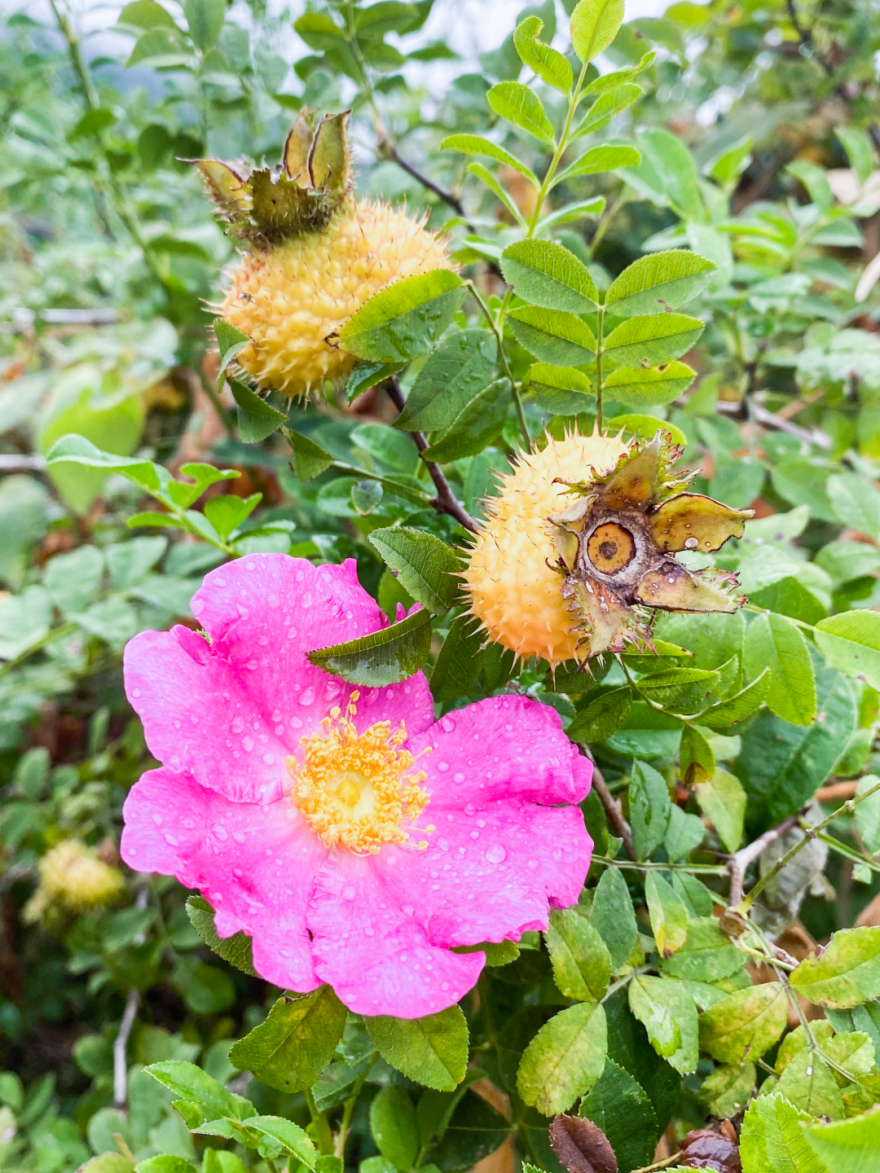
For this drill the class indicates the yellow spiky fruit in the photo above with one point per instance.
(72, 875)
(293, 298)
(514, 592)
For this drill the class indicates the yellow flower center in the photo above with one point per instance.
(358, 789)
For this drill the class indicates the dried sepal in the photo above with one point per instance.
(672, 587)
(691, 521)
(615, 543)
(299, 195)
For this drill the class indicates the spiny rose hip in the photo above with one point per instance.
(577, 554)
(313, 255)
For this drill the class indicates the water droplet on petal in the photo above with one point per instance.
(497, 853)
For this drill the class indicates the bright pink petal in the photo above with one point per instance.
(373, 951)
(500, 748)
(492, 873)
(256, 865)
(230, 710)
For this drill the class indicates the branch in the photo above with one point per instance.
(612, 809)
(11, 464)
(776, 423)
(741, 861)
(445, 501)
(120, 1046)
(390, 151)
(812, 832)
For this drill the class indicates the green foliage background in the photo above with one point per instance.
(737, 771)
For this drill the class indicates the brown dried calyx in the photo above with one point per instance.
(616, 545)
(300, 194)
(705, 1148)
(581, 1146)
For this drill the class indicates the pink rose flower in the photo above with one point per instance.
(355, 839)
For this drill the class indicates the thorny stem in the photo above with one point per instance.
(445, 501)
(697, 869)
(350, 1104)
(848, 852)
(499, 337)
(809, 833)
(739, 863)
(612, 809)
(386, 144)
(116, 192)
(664, 1164)
(323, 1131)
(600, 327)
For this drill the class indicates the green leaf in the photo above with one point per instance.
(452, 376)
(369, 374)
(383, 657)
(722, 800)
(75, 449)
(645, 425)
(424, 565)
(681, 690)
(475, 426)
(405, 319)
(308, 459)
(808, 1083)
(605, 158)
(668, 914)
(781, 765)
(458, 664)
(846, 1146)
(851, 642)
(546, 274)
(163, 1164)
(394, 1126)
(649, 386)
(495, 187)
(594, 25)
(659, 281)
(553, 336)
(606, 106)
(235, 949)
(289, 1135)
(432, 1051)
(560, 390)
(519, 105)
(745, 1024)
(741, 705)
(772, 1140)
(619, 1105)
(707, 954)
(146, 14)
(859, 150)
(547, 63)
(855, 502)
(846, 974)
(695, 757)
(728, 1089)
(653, 339)
(667, 1011)
(256, 418)
(580, 958)
(602, 717)
(867, 813)
(613, 915)
(564, 1059)
(649, 807)
(190, 1085)
(230, 341)
(294, 1044)
(774, 642)
(204, 19)
(472, 144)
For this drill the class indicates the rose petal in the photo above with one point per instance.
(373, 952)
(491, 873)
(229, 711)
(255, 864)
(502, 747)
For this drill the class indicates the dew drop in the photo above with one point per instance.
(497, 853)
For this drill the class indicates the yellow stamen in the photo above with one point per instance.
(358, 789)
